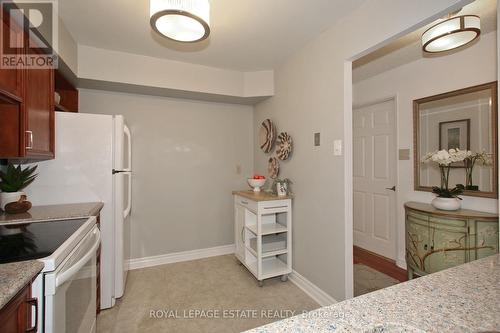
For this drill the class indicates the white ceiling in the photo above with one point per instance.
(408, 48)
(246, 35)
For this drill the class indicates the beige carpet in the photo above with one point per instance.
(366, 280)
(215, 287)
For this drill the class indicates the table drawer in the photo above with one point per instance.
(248, 204)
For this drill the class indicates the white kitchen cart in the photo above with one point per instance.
(263, 234)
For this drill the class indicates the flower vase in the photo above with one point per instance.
(281, 189)
(446, 203)
(8, 197)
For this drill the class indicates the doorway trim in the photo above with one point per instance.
(348, 156)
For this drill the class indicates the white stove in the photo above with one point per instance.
(66, 288)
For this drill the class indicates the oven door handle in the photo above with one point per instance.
(68, 274)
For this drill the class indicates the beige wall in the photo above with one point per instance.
(310, 97)
(67, 48)
(184, 161)
(127, 68)
(426, 77)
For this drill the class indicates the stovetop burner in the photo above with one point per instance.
(36, 240)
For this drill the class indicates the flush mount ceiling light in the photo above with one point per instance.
(451, 33)
(181, 20)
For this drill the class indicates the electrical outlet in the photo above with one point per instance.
(337, 147)
(238, 169)
(317, 139)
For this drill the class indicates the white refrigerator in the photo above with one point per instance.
(93, 163)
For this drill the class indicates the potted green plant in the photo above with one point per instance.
(447, 199)
(281, 187)
(12, 181)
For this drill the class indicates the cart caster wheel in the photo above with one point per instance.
(284, 278)
(261, 283)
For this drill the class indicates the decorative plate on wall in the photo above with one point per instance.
(267, 136)
(285, 146)
(273, 168)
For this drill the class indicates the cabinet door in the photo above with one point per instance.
(483, 239)
(417, 240)
(11, 80)
(11, 124)
(239, 230)
(40, 117)
(15, 317)
(448, 244)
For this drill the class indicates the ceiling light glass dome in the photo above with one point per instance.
(452, 33)
(181, 20)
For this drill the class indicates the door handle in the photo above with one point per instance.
(391, 188)
(33, 302)
(66, 275)
(30, 140)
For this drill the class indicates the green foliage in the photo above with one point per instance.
(447, 193)
(14, 179)
(285, 181)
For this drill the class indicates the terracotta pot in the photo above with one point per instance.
(446, 203)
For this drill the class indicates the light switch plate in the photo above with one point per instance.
(337, 147)
(317, 139)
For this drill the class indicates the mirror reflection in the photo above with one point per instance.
(464, 120)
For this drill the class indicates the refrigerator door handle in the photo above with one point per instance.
(128, 137)
(126, 212)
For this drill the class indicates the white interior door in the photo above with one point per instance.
(374, 172)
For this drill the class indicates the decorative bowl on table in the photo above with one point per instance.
(256, 184)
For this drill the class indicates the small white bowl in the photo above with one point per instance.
(256, 184)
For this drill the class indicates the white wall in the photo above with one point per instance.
(67, 48)
(185, 155)
(426, 77)
(311, 95)
(119, 67)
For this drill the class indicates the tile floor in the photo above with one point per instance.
(366, 280)
(209, 285)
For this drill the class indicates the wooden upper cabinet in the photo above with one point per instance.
(27, 116)
(11, 80)
(39, 111)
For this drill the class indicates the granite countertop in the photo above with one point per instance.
(53, 213)
(15, 276)
(465, 298)
(260, 196)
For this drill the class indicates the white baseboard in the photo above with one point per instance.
(180, 256)
(401, 263)
(311, 289)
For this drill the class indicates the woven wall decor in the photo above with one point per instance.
(267, 136)
(285, 146)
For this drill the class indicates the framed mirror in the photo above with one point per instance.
(464, 119)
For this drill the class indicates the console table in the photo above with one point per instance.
(438, 239)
